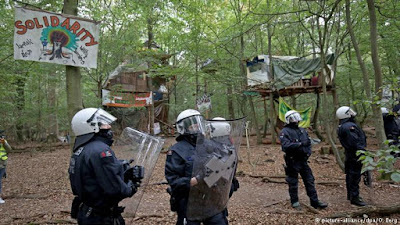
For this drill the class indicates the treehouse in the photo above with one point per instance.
(287, 75)
(138, 99)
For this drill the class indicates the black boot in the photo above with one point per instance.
(319, 205)
(357, 201)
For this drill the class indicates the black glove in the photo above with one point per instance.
(75, 207)
(306, 142)
(5, 174)
(134, 174)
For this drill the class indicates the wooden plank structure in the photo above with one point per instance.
(300, 87)
(129, 86)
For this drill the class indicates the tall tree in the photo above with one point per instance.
(73, 74)
(380, 133)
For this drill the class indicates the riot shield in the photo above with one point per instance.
(214, 166)
(144, 150)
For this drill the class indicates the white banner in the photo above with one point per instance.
(55, 38)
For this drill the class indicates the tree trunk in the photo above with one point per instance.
(271, 96)
(73, 75)
(378, 73)
(315, 118)
(149, 79)
(265, 118)
(20, 105)
(322, 35)
(230, 101)
(259, 141)
(52, 128)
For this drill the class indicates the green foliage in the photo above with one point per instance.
(193, 32)
(382, 160)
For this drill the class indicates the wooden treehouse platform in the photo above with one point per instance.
(300, 87)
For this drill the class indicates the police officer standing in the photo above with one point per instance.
(179, 166)
(352, 139)
(96, 175)
(297, 147)
(392, 131)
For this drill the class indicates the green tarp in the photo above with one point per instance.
(287, 70)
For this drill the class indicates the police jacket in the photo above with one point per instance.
(351, 137)
(295, 142)
(179, 166)
(391, 129)
(97, 176)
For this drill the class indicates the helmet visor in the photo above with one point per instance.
(294, 118)
(193, 125)
(102, 117)
(351, 113)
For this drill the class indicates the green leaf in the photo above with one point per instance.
(395, 177)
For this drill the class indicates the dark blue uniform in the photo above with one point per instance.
(97, 178)
(391, 129)
(297, 147)
(352, 139)
(178, 172)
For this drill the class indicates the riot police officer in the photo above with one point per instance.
(352, 139)
(96, 175)
(297, 147)
(392, 131)
(179, 166)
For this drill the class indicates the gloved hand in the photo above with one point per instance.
(128, 174)
(5, 174)
(306, 142)
(134, 174)
(133, 187)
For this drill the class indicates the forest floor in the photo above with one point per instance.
(37, 190)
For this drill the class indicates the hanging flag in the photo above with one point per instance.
(305, 114)
(204, 103)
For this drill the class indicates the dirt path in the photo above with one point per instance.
(37, 190)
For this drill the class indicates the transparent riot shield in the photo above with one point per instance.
(144, 150)
(214, 166)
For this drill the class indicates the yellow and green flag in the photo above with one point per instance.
(305, 114)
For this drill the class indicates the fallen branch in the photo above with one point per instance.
(28, 217)
(328, 183)
(310, 208)
(147, 216)
(275, 203)
(267, 179)
(380, 210)
(280, 211)
(59, 221)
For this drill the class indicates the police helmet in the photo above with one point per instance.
(396, 109)
(384, 111)
(218, 128)
(345, 112)
(292, 116)
(87, 122)
(190, 121)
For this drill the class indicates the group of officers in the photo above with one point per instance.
(99, 181)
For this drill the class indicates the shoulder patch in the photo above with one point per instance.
(105, 154)
(79, 151)
(169, 152)
(352, 128)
